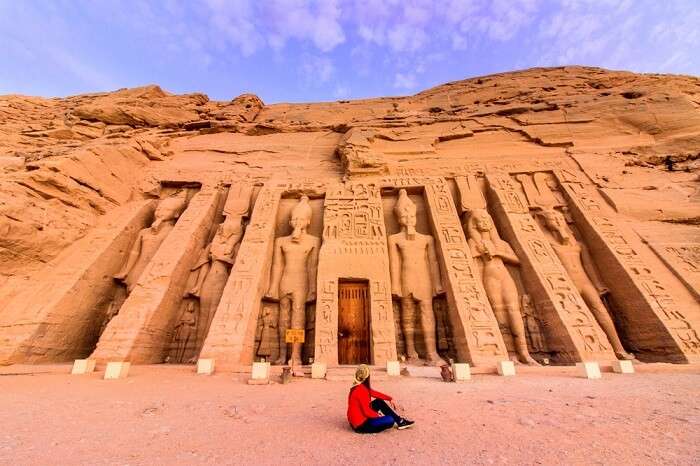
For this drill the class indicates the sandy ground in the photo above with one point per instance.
(168, 415)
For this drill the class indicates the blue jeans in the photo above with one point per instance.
(378, 424)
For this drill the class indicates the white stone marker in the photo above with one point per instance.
(260, 371)
(83, 366)
(393, 368)
(623, 367)
(461, 371)
(506, 368)
(205, 366)
(117, 370)
(318, 370)
(589, 369)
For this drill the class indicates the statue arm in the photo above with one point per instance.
(434, 268)
(395, 268)
(591, 271)
(312, 268)
(133, 257)
(276, 273)
(506, 252)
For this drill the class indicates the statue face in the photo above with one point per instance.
(167, 211)
(407, 218)
(553, 219)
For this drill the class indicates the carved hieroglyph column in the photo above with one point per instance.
(354, 247)
(477, 337)
(140, 332)
(655, 324)
(571, 330)
(231, 338)
(57, 317)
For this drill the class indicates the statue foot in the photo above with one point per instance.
(529, 360)
(624, 355)
(414, 361)
(281, 361)
(434, 360)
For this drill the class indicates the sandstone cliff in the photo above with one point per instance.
(64, 162)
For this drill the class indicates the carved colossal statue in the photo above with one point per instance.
(293, 277)
(415, 279)
(577, 261)
(213, 269)
(145, 247)
(493, 253)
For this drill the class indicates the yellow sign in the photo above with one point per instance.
(294, 335)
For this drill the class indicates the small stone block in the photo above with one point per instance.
(117, 370)
(589, 370)
(83, 366)
(506, 368)
(461, 371)
(393, 368)
(623, 367)
(205, 366)
(318, 370)
(260, 371)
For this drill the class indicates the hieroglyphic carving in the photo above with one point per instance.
(354, 246)
(571, 329)
(649, 307)
(684, 260)
(475, 330)
(231, 337)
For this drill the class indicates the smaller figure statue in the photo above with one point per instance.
(493, 253)
(213, 269)
(293, 277)
(532, 324)
(577, 261)
(266, 333)
(415, 280)
(185, 333)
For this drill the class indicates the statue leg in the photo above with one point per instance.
(408, 312)
(516, 324)
(285, 310)
(427, 320)
(600, 312)
(298, 321)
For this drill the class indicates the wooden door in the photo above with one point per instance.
(353, 323)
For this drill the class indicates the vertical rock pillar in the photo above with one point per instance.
(571, 330)
(57, 317)
(231, 337)
(354, 247)
(655, 324)
(477, 337)
(140, 332)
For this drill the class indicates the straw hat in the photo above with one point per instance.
(361, 374)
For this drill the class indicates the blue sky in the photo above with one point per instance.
(298, 50)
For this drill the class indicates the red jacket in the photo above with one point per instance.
(359, 409)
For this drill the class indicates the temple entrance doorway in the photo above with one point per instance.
(353, 322)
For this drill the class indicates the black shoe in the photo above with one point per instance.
(404, 424)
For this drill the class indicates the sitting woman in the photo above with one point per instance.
(370, 417)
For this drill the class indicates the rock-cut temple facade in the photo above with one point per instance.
(548, 217)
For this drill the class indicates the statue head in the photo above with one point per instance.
(555, 222)
(405, 211)
(168, 209)
(300, 218)
(481, 220)
(230, 226)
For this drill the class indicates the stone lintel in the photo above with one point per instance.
(476, 335)
(570, 328)
(231, 337)
(58, 316)
(654, 323)
(140, 332)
